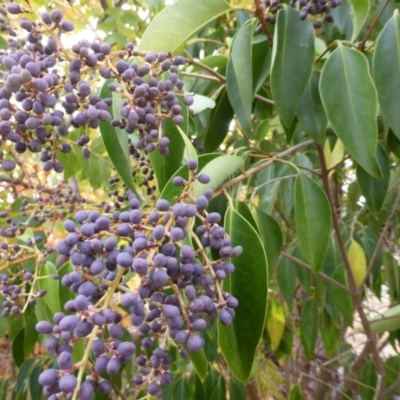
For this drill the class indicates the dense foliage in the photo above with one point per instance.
(200, 201)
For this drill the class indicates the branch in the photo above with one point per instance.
(361, 45)
(261, 166)
(323, 276)
(283, 216)
(382, 237)
(20, 182)
(260, 15)
(222, 79)
(356, 291)
(104, 6)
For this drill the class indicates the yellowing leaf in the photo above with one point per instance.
(328, 154)
(337, 153)
(388, 321)
(357, 261)
(275, 323)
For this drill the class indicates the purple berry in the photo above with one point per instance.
(195, 343)
(48, 377)
(225, 317)
(113, 365)
(44, 327)
(203, 178)
(68, 383)
(170, 311)
(126, 349)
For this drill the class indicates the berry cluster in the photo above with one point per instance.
(306, 7)
(42, 75)
(172, 250)
(13, 290)
(28, 99)
(315, 8)
(153, 92)
(48, 206)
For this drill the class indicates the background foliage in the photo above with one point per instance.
(297, 123)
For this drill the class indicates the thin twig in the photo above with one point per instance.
(259, 13)
(382, 236)
(18, 182)
(263, 165)
(355, 290)
(361, 45)
(199, 76)
(222, 79)
(324, 383)
(323, 276)
(283, 216)
(257, 188)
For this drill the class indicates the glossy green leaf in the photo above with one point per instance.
(359, 14)
(199, 362)
(374, 190)
(170, 191)
(49, 284)
(219, 390)
(290, 130)
(269, 192)
(392, 272)
(32, 336)
(350, 102)
(165, 166)
(239, 76)
(295, 393)
(271, 236)
(330, 335)
(262, 110)
(78, 351)
(116, 144)
(393, 143)
(292, 62)
(181, 389)
(65, 293)
(244, 210)
(221, 117)
(311, 113)
(4, 388)
(160, 37)
(190, 151)
(303, 275)
(24, 371)
(199, 392)
(201, 103)
(262, 130)
(211, 381)
(18, 345)
(309, 326)
(237, 390)
(313, 220)
(387, 72)
(35, 388)
(286, 276)
(353, 195)
(41, 310)
(369, 380)
(392, 371)
(261, 61)
(342, 18)
(211, 343)
(95, 169)
(342, 301)
(249, 284)
(219, 170)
